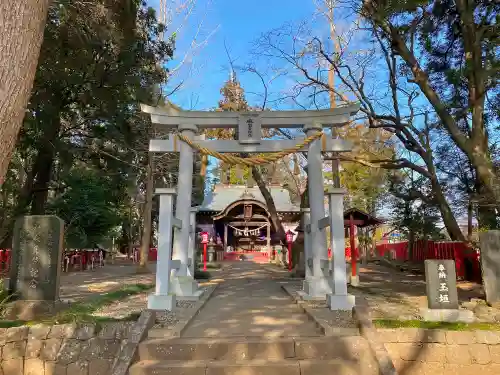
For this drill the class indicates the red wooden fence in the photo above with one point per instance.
(83, 258)
(467, 262)
(5, 256)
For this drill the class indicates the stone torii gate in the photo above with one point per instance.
(181, 284)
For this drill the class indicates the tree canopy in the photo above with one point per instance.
(80, 151)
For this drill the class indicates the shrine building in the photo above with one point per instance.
(238, 216)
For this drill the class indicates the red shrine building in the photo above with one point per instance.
(237, 217)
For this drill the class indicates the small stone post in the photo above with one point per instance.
(192, 241)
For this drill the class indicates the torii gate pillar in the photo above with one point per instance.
(184, 286)
(317, 285)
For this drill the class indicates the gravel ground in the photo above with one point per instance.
(167, 319)
(123, 308)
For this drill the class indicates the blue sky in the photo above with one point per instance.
(237, 24)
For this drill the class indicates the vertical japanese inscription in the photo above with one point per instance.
(250, 128)
(443, 284)
(36, 258)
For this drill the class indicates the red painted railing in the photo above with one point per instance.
(152, 254)
(467, 262)
(72, 259)
(348, 254)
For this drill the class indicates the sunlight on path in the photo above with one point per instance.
(249, 303)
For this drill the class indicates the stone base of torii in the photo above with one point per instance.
(175, 264)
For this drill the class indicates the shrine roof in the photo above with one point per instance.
(360, 215)
(224, 195)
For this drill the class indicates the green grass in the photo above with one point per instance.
(202, 275)
(4, 295)
(213, 266)
(382, 323)
(81, 312)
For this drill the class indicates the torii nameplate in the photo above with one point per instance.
(249, 128)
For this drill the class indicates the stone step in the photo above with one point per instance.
(255, 367)
(236, 349)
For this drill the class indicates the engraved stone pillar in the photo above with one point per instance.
(36, 258)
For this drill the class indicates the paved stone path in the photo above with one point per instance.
(250, 303)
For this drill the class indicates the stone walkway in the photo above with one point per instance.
(250, 303)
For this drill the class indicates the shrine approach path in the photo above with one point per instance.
(249, 303)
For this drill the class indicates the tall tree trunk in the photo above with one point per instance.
(488, 178)
(486, 212)
(22, 23)
(298, 247)
(41, 185)
(449, 220)
(146, 217)
(130, 230)
(411, 243)
(470, 216)
(23, 200)
(273, 212)
(43, 166)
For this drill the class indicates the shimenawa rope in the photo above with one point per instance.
(254, 160)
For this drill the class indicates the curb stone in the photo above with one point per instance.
(369, 332)
(322, 326)
(326, 329)
(196, 310)
(128, 350)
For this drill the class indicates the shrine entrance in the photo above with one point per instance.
(246, 226)
(175, 265)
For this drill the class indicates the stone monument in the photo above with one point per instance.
(490, 265)
(36, 264)
(442, 296)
